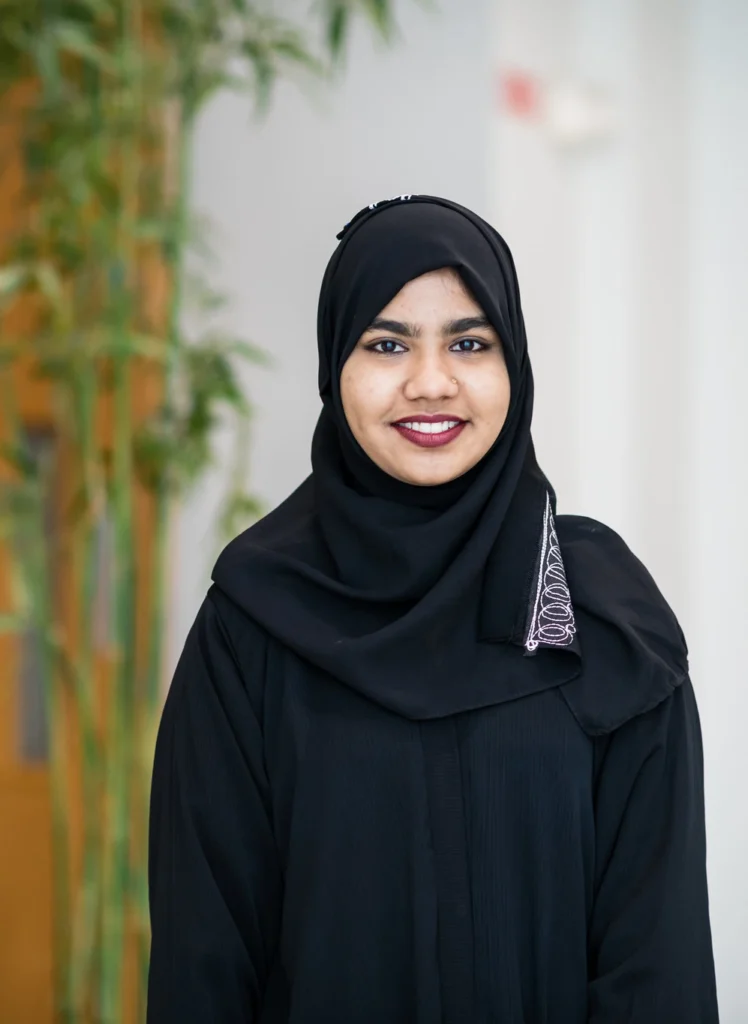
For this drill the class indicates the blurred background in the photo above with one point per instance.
(163, 241)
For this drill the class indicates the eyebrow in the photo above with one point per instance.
(467, 323)
(404, 330)
(452, 327)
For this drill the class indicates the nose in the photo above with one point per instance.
(431, 380)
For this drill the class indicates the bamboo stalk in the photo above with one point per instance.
(120, 711)
(39, 587)
(81, 965)
(121, 717)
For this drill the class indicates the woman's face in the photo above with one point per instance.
(426, 389)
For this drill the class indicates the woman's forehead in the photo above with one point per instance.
(436, 294)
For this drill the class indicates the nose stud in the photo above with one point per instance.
(454, 380)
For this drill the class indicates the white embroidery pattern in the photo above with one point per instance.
(552, 621)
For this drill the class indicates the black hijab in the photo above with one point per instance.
(418, 597)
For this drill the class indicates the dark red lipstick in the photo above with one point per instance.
(439, 434)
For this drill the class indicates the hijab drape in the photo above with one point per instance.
(417, 597)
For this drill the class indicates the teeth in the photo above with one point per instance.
(431, 428)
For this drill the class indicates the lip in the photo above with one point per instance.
(429, 440)
(429, 417)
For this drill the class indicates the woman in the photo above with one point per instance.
(405, 773)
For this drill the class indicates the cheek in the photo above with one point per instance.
(366, 396)
(491, 395)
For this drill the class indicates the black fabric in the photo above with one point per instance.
(446, 802)
(635, 653)
(304, 842)
(416, 597)
(369, 804)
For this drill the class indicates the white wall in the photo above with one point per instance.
(717, 459)
(634, 258)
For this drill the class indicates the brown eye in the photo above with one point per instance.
(469, 345)
(387, 347)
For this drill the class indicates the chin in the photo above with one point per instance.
(432, 478)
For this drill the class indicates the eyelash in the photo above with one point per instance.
(484, 345)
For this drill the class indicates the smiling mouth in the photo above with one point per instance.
(430, 432)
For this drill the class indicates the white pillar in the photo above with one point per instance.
(717, 461)
(604, 373)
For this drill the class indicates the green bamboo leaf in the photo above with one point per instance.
(144, 345)
(50, 284)
(57, 369)
(18, 36)
(337, 22)
(294, 51)
(107, 190)
(71, 37)
(61, 354)
(12, 279)
(153, 229)
(201, 297)
(9, 353)
(256, 51)
(99, 6)
(285, 40)
(18, 457)
(212, 380)
(247, 350)
(12, 624)
(380, 14)
(240, 510)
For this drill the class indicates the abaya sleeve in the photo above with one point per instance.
(651, 952)
(213, 869)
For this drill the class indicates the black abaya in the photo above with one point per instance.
(466, 789)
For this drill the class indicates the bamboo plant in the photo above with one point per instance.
(110, 91)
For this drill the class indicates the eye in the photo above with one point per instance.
(386, 347)
(469, 345)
